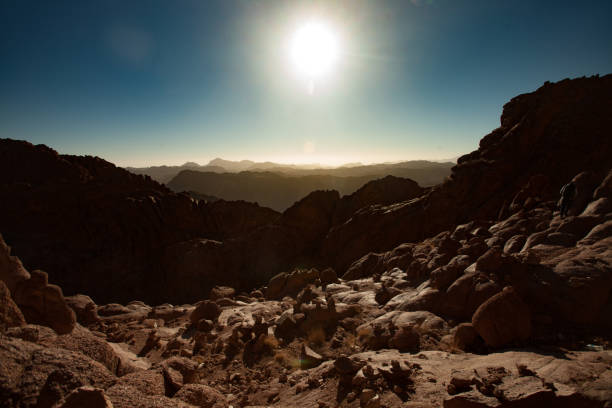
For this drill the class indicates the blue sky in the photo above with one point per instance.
(164, 82)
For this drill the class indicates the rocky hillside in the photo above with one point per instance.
(545, 139)
(117, 236)
(273, 190)
(280, 191)
(98, 228)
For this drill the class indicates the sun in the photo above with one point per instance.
(314, 50)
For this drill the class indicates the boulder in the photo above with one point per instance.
(42, 303)
(406, 339)
(276, 285)
(125, 396)
(32, 333)
(464, 336)
(605, 188)
(503, 319)
(490, 261)
(10, 315)
(600, 206)
(515, 244)
(219, 292)
(205, 310)
(400, 330)
(442, 277)
(178, 371)
(463, 297)
(347, 366)
(309, 358)
(167, 312)
(286, 326)
(598, 233)
(82, 340)
(328, 276)
(113, 309)
(26, 368)
(146, 381)
(202, 396)
(84, 307)
(586, 183)
(86, 396)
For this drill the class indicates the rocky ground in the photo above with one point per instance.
(435, 300)
(514, 313)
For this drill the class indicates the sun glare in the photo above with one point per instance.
(314, 50)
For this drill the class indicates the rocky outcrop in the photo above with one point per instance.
(538, 129)
(42, 303)
(38, 301)
(10, 315)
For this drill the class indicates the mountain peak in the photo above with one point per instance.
(191, 164)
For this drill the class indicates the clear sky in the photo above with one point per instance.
(164, 82)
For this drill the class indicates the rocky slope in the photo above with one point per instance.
(486, 315)
(545, 139)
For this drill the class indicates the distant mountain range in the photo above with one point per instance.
(278, 186)
(429, 171)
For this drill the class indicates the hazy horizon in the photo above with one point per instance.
(206, 162)
(157, 83)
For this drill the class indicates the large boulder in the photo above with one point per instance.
(42, 303)
(27, 367)
(503, 319)
(82, 340)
